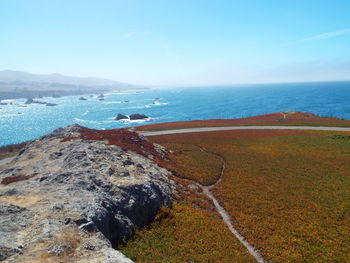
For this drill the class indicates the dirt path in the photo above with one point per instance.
(223, 213)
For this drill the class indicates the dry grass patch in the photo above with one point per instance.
(22, 200)
(62, 248)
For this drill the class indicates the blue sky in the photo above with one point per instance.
(179, 42)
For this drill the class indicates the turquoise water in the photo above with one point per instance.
(19, 123)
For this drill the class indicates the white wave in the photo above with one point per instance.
(113, 102)
(86, 112)
(8, 100)
(136, 107)
(117, 102)
(85, 121)
(157, 103)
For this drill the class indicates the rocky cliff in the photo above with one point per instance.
(74, 194)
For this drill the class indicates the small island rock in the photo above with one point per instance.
(121, 117)
(138, 116)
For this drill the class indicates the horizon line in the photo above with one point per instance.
(184, 85)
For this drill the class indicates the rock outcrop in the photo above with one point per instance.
(133, 117)
(121, 117)
(66, 198)
(138, 116)
(31, 101)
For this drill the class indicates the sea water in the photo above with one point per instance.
(20, 122)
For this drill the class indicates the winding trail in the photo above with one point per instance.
(206, 189)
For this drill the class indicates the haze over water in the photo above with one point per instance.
(19, 123)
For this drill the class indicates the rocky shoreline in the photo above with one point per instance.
(68, 197)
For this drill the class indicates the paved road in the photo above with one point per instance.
(229, 128)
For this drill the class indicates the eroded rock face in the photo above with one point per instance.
(73, 201)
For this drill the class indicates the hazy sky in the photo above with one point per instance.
(179, 42)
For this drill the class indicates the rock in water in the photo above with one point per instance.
(71, 199)
(138, 116)
(121, 117)
(82, 98)
(29, 101)
(51, 104)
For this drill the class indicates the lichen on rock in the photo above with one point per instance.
(74, 200)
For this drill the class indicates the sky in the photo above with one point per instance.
(179, 42)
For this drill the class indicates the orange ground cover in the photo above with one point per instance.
(186, 235)
(287, 191)
(194, 159)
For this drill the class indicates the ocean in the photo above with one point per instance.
(20, 122)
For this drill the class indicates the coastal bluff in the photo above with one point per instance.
(74, 194)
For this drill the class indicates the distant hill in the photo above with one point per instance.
(19, 84)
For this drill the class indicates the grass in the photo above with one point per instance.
(287, 191)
